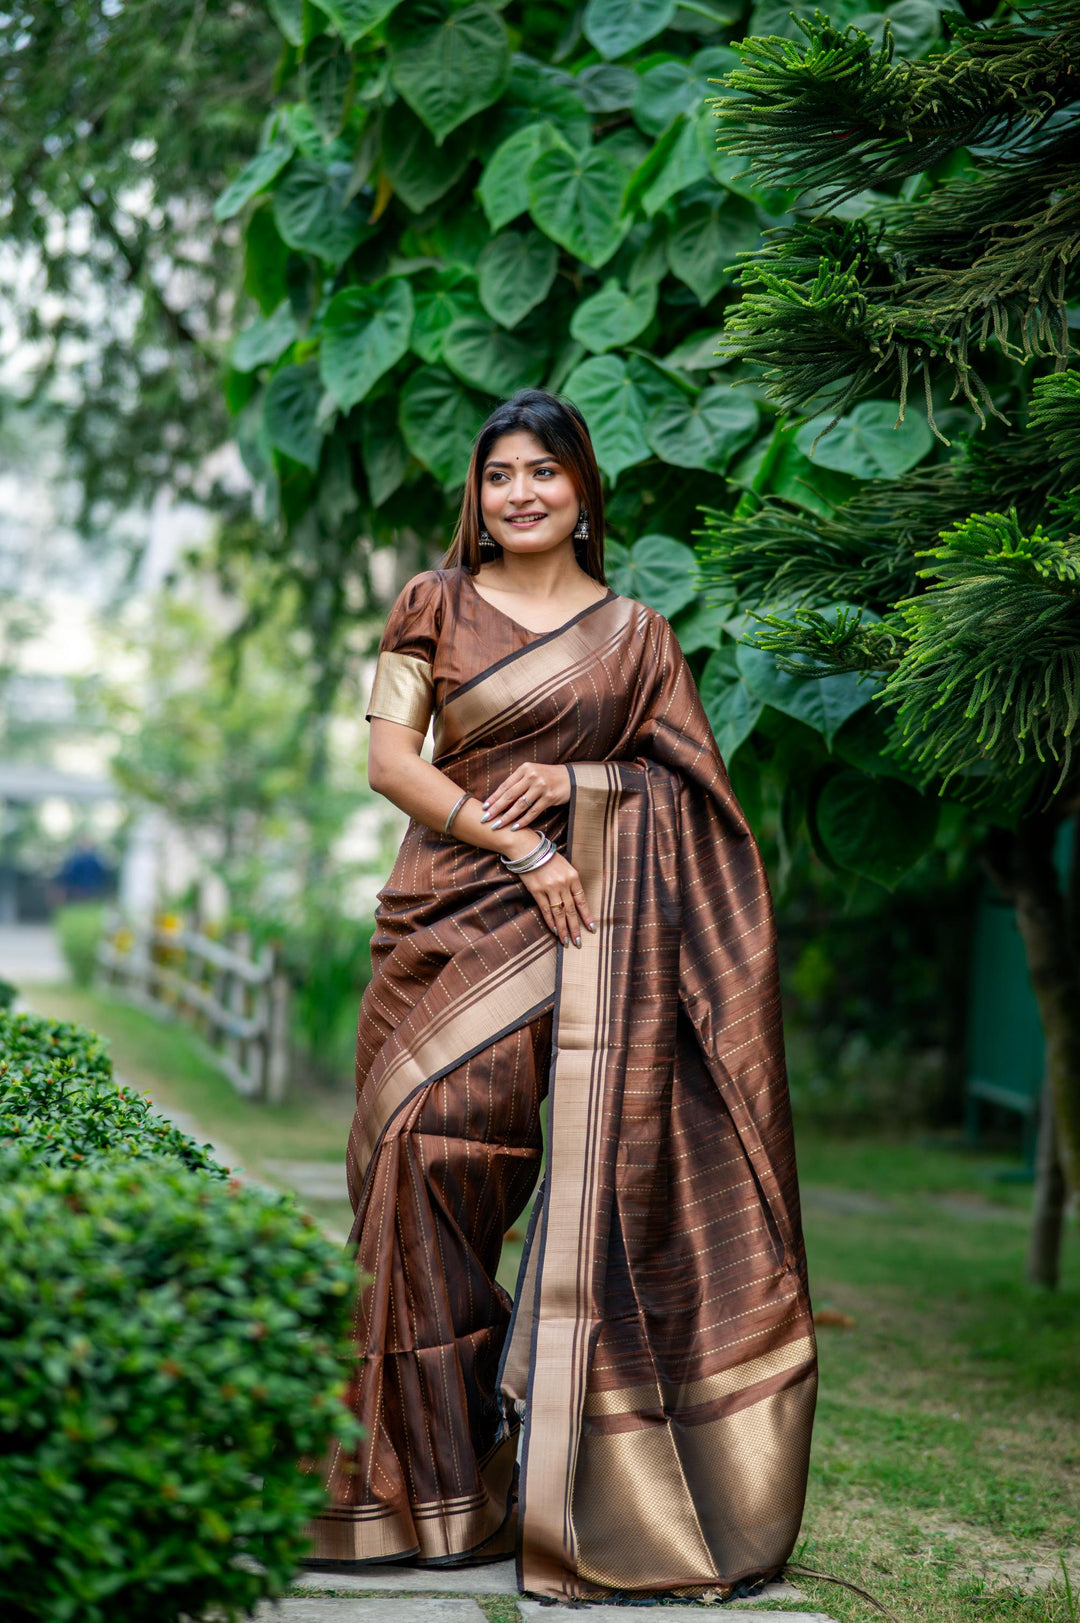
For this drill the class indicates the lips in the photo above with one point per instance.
(523, 521)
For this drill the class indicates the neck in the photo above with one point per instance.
(537, 574)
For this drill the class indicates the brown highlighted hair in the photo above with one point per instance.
(562, 431)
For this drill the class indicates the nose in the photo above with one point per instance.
(521, 488)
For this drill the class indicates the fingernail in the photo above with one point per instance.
(497, 823)
(566, 941)
(485, 817)
(592, 927)
(513, 826)
(577, 938)
(485, 804)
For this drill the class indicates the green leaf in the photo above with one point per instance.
(538, 92)
(452, 298)
(701, 623)
(676, 162)
(915, 26)
(490, 358)
(605, 88)
(615, 410)
(574, 198)
(823, 703)
(516, 271)
(709, 236)
(327, 78)
(733, 710)
(262, 169)
(355, 18)
(365, 332)
(793, 476)
(503, 188)
(448, 66)
(291, 412)
(665, 91)
(264, 341)
(868, 443)
(775, 17)
(704, 432)
(440, 420)
(265, 258)
(384, 452)
(308, 212)
(659, 571)
(289, 16)
(698, 353)
(876, 827)
(613, 317)
(618, 26)
(418, 170)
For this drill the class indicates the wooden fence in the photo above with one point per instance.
(238, 1004)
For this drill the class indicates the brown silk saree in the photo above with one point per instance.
(655, 1376)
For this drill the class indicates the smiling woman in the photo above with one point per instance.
(578, 910)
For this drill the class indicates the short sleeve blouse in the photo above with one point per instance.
(404, 677)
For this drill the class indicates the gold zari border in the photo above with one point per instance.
(403, 691)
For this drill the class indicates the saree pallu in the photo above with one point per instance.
(660, 1361)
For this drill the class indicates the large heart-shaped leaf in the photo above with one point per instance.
(299, 20)
(365, 332)
(448, 66)
(265, 260)
(327, 79)
(385, 454)
(574, 197)
(515, 272)
(489, 358)
(605, 88)
(876, 827)
(418, 170)
(615, 410)
(707, 240)
(538, 92)
(262, 169)
(733, 710)
(355, 18)
(264, 341)
(701, 623)
(698, 353)
(503, 190)
(613, 317)
(309, 214)
(868, 443)
(659, 571)
(451, 298)
(291, 413)
(618, 26)
(664, 91)
(440, 420)
(704, 431)
(793, 476)
(823, 703)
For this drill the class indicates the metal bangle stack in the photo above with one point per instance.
(542, 852)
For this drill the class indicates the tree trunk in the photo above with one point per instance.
(1042, 914)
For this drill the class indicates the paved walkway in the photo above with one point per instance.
(395, 1594)
(30, 955)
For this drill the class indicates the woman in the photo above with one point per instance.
(578, 908)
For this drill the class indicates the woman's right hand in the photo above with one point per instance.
(558, 892)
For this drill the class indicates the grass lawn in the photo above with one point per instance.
(947, 1450)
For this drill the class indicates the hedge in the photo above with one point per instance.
(173, 1344)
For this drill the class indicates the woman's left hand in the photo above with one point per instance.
(525, 794)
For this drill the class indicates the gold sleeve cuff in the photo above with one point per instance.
(403, 691)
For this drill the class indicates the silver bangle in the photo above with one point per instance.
(541, 852)
(455, 808)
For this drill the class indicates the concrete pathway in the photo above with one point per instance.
(30, 955)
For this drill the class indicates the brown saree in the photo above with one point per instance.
(660, 1358)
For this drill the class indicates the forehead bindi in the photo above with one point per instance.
(519, 451)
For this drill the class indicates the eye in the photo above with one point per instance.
(549, 471)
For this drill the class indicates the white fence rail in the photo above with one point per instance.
(238, 1004)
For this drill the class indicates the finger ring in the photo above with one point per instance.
(558, 904)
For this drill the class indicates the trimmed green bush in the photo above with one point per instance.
(79, 927)
(173, 1345)
(170, 1346)
(60, 1107)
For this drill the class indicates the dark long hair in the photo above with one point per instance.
(561, 430)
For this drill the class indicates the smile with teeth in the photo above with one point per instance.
(521, 519)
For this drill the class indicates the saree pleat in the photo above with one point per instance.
(661, 1355)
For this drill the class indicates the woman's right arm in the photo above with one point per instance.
(397, 770)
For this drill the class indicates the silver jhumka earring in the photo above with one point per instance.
(488, 547)
(581, 528)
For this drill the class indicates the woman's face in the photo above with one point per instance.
(528, 500)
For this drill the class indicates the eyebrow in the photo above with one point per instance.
(535, 462)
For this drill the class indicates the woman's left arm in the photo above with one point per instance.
(531, 789)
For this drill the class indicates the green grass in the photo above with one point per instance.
(947, 1445)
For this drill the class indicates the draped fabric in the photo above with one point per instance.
(659, 1359)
